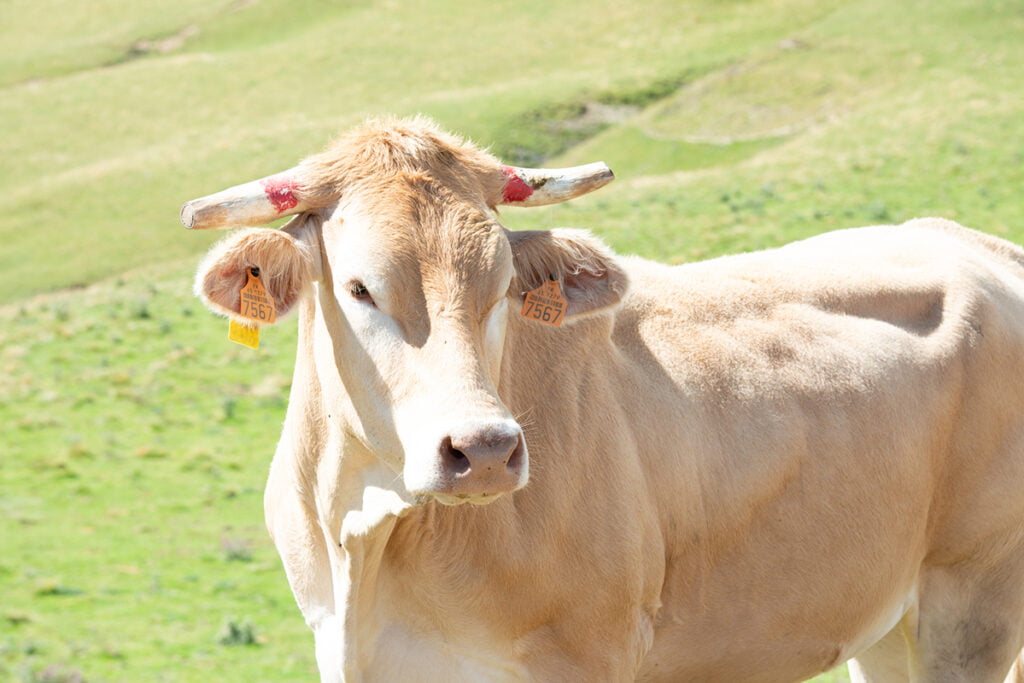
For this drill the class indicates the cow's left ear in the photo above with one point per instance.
(287, 261)
(589, 273)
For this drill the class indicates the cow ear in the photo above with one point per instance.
(285, 258)
(589, 273)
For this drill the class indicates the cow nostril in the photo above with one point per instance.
(454, 459)
(515, 460)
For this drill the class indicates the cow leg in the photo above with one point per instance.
(884, 662)
(303, 551)
(303, 548)
(971, 626)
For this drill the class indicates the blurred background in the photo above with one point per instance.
(136, 437)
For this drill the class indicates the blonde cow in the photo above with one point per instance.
(749, 469)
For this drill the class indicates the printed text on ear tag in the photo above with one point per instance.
(244, 335)
(545, 304)
(256, 304)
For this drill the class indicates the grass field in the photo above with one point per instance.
(137, 437)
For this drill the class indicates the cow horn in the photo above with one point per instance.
(254, 203)
(539, 186)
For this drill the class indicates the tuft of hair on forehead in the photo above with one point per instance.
(381, 149)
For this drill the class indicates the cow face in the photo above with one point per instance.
(413, 281)
(414, 292)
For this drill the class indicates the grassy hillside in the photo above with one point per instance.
(858, 111)
(137, 437)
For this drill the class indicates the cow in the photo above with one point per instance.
(752, 468)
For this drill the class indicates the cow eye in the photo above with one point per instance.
(359, 292)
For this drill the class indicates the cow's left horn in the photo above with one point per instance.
(539, 186)
(255, 203)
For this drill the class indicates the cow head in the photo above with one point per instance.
(410, 281)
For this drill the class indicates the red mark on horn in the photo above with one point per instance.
(280, 190)
(516, 190)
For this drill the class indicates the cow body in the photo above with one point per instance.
(748, 469)
(749, 473)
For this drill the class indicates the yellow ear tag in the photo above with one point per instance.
(545, 304)
(244, 335)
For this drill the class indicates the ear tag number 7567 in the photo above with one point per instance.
(256, 304)
(545, 304)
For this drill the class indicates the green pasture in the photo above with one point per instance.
(137, 438)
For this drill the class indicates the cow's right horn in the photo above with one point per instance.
(255, 203)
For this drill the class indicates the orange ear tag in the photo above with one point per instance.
(545, 304)
(256, 305)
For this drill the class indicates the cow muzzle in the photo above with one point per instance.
(476, 463)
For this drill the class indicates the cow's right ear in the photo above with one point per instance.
(288, 261)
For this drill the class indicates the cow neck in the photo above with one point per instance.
(358, 498)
